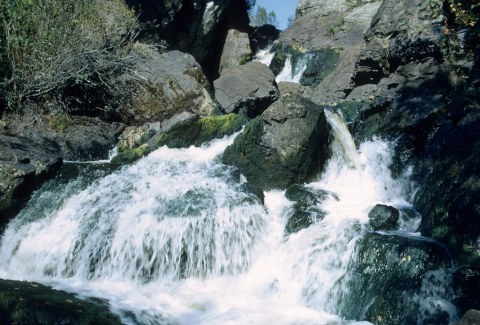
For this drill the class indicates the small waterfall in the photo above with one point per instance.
(264, 56)
(293, 71)
(175, 238)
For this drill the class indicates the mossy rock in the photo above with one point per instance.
(198, 132)
(191, 132)
(33, 303)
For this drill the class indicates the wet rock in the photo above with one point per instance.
(236, 50)
(24, 165)
(172, 83)
(288, 144)
(466, 284)
(386, 275)
(305, 211)
(248, 89)
(33, 303)
(384, 217)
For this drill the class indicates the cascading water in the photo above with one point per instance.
(264, 56)
(293, 70)
(175, 238)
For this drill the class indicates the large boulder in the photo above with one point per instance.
(33, 303)
(24, 165)
(247, 89)
(287, 144)
(389, 281)
(384, 217)
(170, 83)
(236, 50)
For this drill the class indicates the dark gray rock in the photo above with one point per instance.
(236, 50)
(263, 36)
(33, 303)
(305, 211)
(385, 276)
(24, 165)
(193, 26)
(288, 144)
(384, 217)
(172, 83)
(247, 89)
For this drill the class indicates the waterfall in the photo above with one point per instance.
(264, 56)
(293, 71)
(176, 238)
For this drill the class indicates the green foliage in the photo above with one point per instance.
(465, 12)
(49, 45)
(262, 17)
(245, 58)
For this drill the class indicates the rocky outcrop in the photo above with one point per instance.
(79, 137)
(24, 165)
(169, 83)
(236, 50)
(263, 36)
(384, 217)
(33, 303)
(181, 131)
(471, 317)
(287, 144)
(387, 274)
(192, 26)
(248, 89)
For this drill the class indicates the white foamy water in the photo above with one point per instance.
(175, 238)
(292, 73)
(264, 56)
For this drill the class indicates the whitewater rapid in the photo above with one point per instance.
(176, 238)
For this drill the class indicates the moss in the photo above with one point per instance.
(200, 131)
(245, 58)
(129, 155)
(59, 122)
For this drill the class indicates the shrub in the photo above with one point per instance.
(63, 50)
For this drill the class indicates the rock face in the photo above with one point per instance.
(471, 317)
(172, 83)
(33, 303)
(330, 34)
(24, 165)
(248, 89)
(287, 144)
(193, 26)
(385, 276)
(236, 50)
(384, 217)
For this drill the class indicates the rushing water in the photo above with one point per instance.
(176, 239)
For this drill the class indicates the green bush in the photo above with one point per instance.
(51, 49)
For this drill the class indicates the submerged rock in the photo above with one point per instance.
(471, 317)
(305, 211)
(384, 217)
(24, 165)
(247, 89)
(287, 144)
(33, 303)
